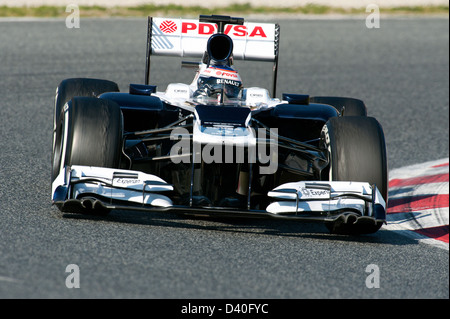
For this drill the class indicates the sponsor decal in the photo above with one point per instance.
(228, 74)
(126, 181)
(230, 82)
(221, 73)
(168, 26)
(313, 193)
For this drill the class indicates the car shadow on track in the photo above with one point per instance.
(252, 226)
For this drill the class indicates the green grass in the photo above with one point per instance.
(186, 11)
(421, 9)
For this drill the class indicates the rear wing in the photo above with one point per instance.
(188, 38)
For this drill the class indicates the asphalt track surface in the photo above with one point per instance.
(402, 72)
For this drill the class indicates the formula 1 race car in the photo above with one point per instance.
(214, 147)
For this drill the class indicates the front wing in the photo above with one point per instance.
(86, 189)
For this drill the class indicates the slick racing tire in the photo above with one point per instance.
(89, 133)
(357, 152)
(70, 88)
(345, 105)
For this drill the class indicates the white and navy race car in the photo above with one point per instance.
(213, 146)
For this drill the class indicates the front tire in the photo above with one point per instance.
(90, 133)
(357, 152)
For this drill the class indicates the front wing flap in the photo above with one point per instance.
(328, 199)
(110, 185)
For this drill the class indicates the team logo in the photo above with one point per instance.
(168, 26)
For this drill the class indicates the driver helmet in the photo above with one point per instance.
(215, 81)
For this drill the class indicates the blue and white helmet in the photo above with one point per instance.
(219, 79)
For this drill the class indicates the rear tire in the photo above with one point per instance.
(70, 88)
(357, 152)
(345, 105)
